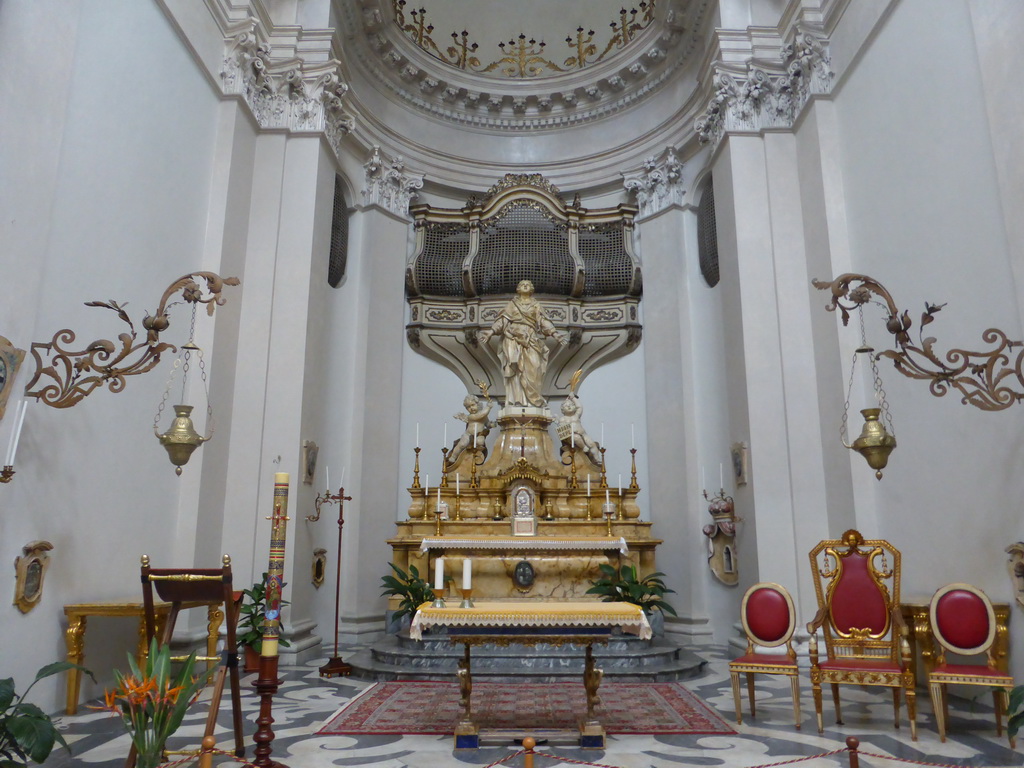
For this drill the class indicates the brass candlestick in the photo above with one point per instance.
(444, 466)
(438, 598)
(416, 469)
(467, 601)
(478, 459)
(437, 519)
(632, 482)
(608, 510)
(604, 475)
(572, 463)
(458, 507)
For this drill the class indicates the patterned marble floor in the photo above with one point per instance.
(305, 701)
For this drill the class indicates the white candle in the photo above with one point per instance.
(426, 485)
(602, 433)
(327, 472)
(456, 483)
(439, 573)
(417, 434)
(444, 443)
(721, 476)
(467, 574)
(19, 422)
(632, 437)
(588, 486)
(343, 477)
(607, 496)
(572, 435)
(439, 495)
(620, 485)
(474, 435)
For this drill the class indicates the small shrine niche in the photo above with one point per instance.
(524, 506)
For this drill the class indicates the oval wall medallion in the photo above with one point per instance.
(523, 575)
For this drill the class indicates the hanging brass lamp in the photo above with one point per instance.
(182, 439)
(875, 442)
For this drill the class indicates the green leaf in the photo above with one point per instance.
(33, 732)
(6, 693)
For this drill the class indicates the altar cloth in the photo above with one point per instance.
(590, 544)
(533, 614)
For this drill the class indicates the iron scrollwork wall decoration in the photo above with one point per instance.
(984, 379)
(71, 375)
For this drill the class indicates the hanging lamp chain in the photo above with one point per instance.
(184, 362)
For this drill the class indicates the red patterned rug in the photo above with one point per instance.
(433, 708)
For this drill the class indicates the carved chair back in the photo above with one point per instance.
(963, 622)
(768, 617)
(857, 584)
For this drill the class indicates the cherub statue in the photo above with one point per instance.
(478, 426)
(570, 429)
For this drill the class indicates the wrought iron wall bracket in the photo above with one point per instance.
(63, 377)
(991, 381)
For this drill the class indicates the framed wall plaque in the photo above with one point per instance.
(31, 570)
(309, 456)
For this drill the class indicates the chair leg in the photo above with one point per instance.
(750, 694)
(794, 684)
(236, 709)
(896, 706)
(835, 700)
(997, 701)
(736, 696)
(912, 711)
(816, 692)
(939, 705)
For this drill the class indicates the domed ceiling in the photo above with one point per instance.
(570, 82)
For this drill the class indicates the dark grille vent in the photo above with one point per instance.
(707, 235)
(439, 267)
(609, 271)
(338, 259)
(524, 244)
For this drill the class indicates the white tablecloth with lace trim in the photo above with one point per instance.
(534, 614)
(524, 543)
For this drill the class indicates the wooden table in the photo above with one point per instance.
(531, 622)
(78, 613)
(915, 612)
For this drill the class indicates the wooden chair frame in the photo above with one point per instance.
(209, 586)
(989, 674)
(870, 655)
(753, 663)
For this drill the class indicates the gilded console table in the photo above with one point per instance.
(532, 622)
(915, 612)
(78, 613)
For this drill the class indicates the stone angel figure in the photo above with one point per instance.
(478, 426)
(571, 431)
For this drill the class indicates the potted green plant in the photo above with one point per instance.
(622, 585)
(26, 732)
(410, 587)
(151, 702)
(1015, 710)
(251, 614)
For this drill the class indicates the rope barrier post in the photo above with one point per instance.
(852, 743)
(528, 744)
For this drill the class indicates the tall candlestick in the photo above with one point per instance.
(439, 573)
(275, 569)
(467, 574)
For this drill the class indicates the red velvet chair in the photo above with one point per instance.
(964, 623)
(857, 583)
(768, 620)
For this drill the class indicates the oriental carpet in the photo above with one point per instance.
(421, 707)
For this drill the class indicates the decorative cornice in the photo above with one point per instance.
(658, 184)
(285, 93)
(388, 185)
(760, 98)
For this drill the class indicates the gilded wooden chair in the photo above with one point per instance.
(768, 619)
(857, 583)
(963, 622)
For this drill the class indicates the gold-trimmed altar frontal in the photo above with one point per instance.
(532, 543)
(532, 614)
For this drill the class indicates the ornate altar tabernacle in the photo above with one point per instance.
(533, 511)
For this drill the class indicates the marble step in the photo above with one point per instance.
(654, 661)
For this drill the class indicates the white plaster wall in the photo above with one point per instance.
(109, 184)
(925, 214)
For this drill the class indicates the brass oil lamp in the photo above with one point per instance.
(182, 439)
(875, 442)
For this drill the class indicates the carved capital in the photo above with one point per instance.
(658, 184)
(388, 185)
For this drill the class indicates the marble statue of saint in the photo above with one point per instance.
(522, 326)
(570, 429)
(478, 426)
